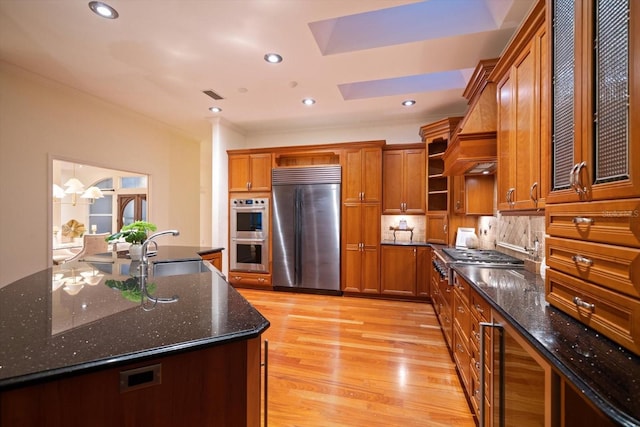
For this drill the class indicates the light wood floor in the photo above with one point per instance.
(342, 361)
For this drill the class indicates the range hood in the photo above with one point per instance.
(471, 154)
(473, 147)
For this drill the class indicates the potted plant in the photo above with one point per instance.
(135, 233)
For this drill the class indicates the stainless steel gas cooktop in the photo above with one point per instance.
(486, 257)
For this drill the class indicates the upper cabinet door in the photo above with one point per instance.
(362, 175)
(250, 172)
(404, 181)
(523, 131)
(260, 176)
(392, 182)
(595, 115)
(239, 172)
(414, 180)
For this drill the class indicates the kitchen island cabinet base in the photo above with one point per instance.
(218, 385)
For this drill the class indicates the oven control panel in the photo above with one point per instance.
(250, 202)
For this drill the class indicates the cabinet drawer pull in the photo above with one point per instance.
(460, 348)
(582, 260)
(582, 303)
(582, 220)
(479, 309)
(237, 278)
(478, 366)
(460, 309)
(477, 335)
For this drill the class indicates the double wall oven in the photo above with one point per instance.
(249, 231)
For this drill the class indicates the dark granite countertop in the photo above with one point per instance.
(51, 327)
(403, 243)
(603, 371)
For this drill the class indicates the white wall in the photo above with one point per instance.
(41, 120)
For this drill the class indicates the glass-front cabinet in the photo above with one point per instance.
(596, 86)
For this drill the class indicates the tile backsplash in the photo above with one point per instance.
(516, 235)
(417, 222)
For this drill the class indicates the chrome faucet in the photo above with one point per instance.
(143, 270)
(145, 259)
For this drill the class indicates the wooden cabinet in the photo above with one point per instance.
(250, 172)
(576, 412)
(461, 331)
(473, 194)
(436, 136)
(242, 279)
(596, 102)
(423, 275)
(362, 175)
(592, 209)
(404, 180)
(403, 271)
(215, 258)
(361, 210)
(361, 243)
(441, 298)
(218, 385)
(523, 133)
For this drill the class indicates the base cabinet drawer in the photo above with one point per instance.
(613, 222)
(614, 267)
(613, 314)
(252, 280)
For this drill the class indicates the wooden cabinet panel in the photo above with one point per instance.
(361, 210)
(361, 241)
(404, 181)
(250, 172)
(473, 194)
(611, 313)
(399, 270)
(239, 171)
(615, 222)
(392, 182)
(250, 280)
(214, 258)
(523, 126)
(437, 228)
(218, 385)
(362, 175)
(423, 271)
(613, 267)
(415, 181)
(260, 167)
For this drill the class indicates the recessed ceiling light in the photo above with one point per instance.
(408, 102)
(215, 109)
(308, 101)
(103, 9)
(273, 58)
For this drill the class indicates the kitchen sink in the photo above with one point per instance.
(174, 268)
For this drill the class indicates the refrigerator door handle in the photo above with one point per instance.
(297, 244)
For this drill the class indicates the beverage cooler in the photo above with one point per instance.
(522, 384)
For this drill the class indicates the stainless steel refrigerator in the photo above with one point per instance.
(306, 228)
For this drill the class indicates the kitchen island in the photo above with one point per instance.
(80, 348)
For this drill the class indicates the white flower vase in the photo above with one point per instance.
(135, 251)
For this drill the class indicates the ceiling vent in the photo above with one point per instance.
(212, 94)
